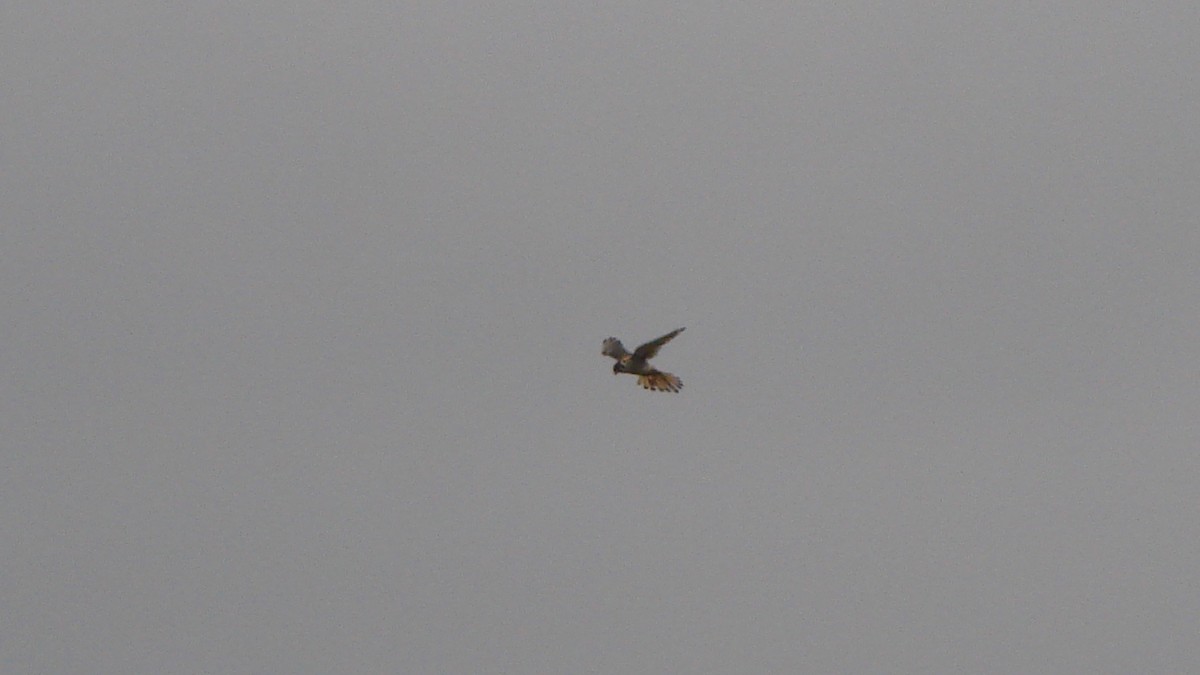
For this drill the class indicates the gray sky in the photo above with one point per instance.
(301, 307)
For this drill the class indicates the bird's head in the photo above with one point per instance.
(617, 368)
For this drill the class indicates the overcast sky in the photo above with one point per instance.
(301, 306)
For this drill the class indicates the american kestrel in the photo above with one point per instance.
(636, 363)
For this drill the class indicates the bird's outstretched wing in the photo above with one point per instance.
(613, 347)
(651, 348)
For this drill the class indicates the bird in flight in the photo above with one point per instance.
(637, 363)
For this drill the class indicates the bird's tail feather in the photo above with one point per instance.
(658, 381)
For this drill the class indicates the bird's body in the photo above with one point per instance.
(638, 363)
